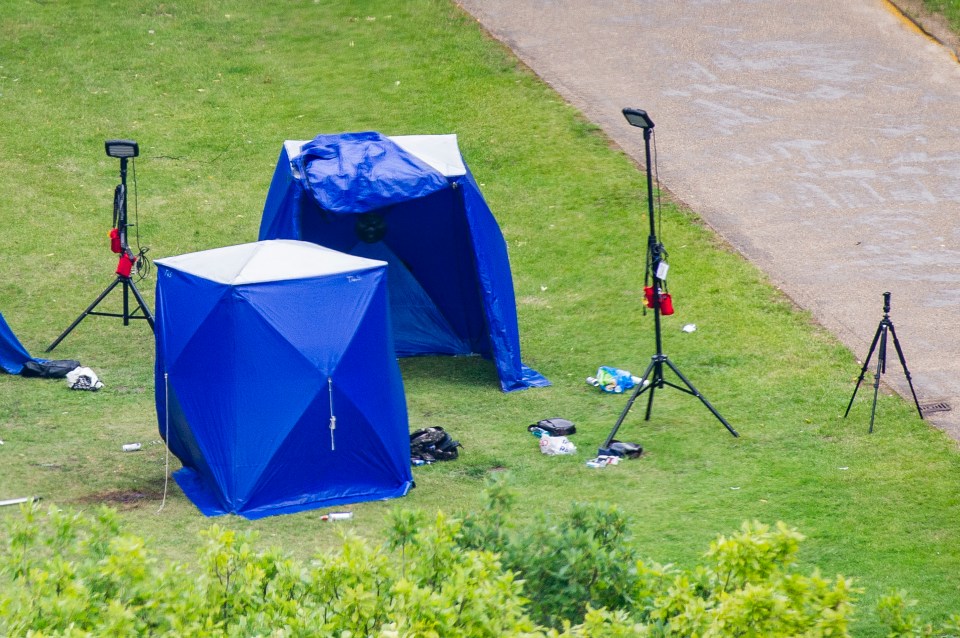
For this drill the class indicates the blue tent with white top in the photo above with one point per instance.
(409, 201)
(276, 382)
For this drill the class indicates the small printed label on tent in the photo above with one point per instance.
(662, 269)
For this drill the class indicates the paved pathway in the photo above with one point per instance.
(821, 138)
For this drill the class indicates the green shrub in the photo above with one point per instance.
(584, 559)
(66, 574)
(747, 585)
(894, 611)
(70, 574)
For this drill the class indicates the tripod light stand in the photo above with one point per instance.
(652, 377)
(122, 149)
(881, 337)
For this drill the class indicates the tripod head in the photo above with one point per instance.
(886, 303)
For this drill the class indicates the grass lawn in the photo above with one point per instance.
(211, 89)
(949, 8)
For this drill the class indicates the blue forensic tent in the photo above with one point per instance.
(412, 202)
(12, 353)
(276, 382)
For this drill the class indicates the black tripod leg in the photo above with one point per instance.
(126, 302)
(86, 312)
(143, 305)
(881, 367)
(903, 362)
(863, 370)
(702, 398)
(641, 387)
(654, 382)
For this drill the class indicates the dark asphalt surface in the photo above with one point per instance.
(820, 138)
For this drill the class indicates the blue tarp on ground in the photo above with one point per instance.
(12, 353)
(258, 346)
(412, 202)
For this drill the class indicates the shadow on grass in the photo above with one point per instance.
(471, 372)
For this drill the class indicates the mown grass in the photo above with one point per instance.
(211, 89)
(949, 8)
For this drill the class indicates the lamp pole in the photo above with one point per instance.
(122, 149)
(653, 245)
(652, 377)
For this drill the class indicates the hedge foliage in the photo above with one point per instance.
(74, 574)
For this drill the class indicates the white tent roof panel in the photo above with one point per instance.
(269, 260)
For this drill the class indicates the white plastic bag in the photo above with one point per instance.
(553, 445)
(83, 379)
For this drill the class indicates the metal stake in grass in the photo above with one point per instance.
(881, 337)
(653, 376)
(17, 501)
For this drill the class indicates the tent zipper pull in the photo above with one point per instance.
(333, 418)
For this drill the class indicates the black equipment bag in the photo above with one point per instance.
(49, 369)
(626, 449)
(554, 427)
(433, 444)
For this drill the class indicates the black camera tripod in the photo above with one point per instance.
(881, 338)
(122, 149)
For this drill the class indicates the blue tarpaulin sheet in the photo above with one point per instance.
(430, 223)
(12, 353)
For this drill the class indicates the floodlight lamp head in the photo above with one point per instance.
(121, 148)
(638, 117)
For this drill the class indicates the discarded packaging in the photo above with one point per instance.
(131, 447)
(554, 445)
(337, 516)
(690, 327)
(613, 380)
(603, 461)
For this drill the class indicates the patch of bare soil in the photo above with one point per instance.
(122, 499)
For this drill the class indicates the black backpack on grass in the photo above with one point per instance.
(554, 427)
(433, 444)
